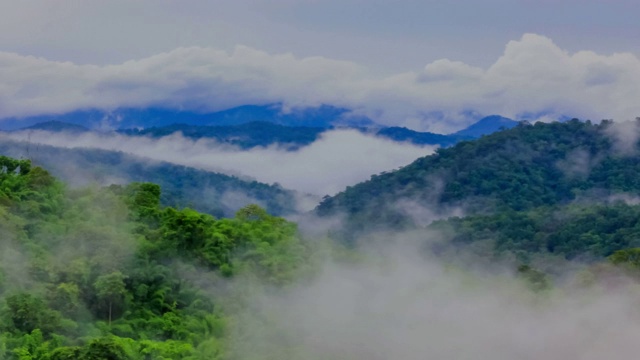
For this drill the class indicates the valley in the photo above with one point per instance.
(545, 210)
(319, 180)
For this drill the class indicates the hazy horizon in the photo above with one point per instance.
(424, 65)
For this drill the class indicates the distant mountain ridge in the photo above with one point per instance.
(125, 118)
(263, 133)
(246, 135)
(323, 116)
(57, 126)
(403, 134)
(486, 126)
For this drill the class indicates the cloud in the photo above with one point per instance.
(391, 36)
(338, 159)
(532, 76)
(625, 136)
(399, 304)
(578, 163)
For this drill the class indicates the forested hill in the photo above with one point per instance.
(109, 273)
(260, 133)
(520, 169)
(214, 193)
(123, 118)
(250, 134)
(245, 136)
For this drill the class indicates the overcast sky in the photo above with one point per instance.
(389, 36)
(416, 63)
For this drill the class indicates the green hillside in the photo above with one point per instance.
(108, 273)
(515, 173)
(210, 192)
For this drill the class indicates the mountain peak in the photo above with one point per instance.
(487, 125)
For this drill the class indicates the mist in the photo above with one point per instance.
(396, 302)
(338, 159)
(625, 136)
(388, 298)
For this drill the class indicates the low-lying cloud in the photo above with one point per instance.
(624, 136)
(338, 159)
(406, 306)
(533, 76)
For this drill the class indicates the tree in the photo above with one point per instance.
(627, 258)
(106, 348)
(111, 289)
(66, 353)
(27, 313)
(252, 212)
(65, 298)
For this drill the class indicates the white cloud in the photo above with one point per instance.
(398, 305)
(625, 136)
(532, 76)
(338, 159)
(387, 35)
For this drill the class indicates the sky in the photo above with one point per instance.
(388, 36)
(422, 64)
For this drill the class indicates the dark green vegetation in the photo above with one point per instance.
(529, 189)
(110, 274)
(113, 273)
(213, 193)
(573, 231)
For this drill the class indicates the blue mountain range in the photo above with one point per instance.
(246, 126)
(126, 118)
(486, 126)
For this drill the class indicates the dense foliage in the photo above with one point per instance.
(205, 191)
(108, 273)
(574, 231)
(516, 170)
(117, 273)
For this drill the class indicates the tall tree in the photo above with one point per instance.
(111, 289)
